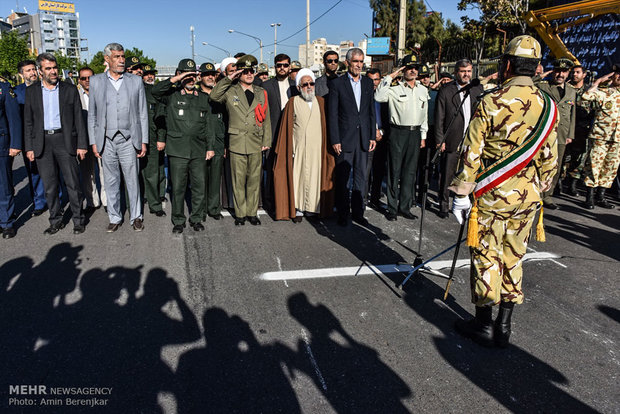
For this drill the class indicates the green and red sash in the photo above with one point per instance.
(506, 167)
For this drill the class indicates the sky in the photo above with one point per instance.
(162, 28)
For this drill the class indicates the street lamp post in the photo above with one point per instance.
(217, 47)
(192, 40)
(260, 42)
(275, 37)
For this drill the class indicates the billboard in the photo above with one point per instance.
(56, 6)
(378, 46)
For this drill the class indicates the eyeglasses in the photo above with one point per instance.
(331, 60)
(305, 85)
(248, 71)
(282, 65)
(84, 77)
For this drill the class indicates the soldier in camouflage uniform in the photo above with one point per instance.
(505, 122)
(604, 140)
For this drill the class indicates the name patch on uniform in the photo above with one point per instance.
(181, 112)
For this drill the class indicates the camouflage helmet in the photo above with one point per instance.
(563, 63)
(247, 62)
(295, 65)
(186, 65)
(207, 67)
(262, 68)
(523, 46)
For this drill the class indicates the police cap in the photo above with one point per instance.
(523, 46)
(186, 65)
(207, 68)
(424, 71)
(410, 60)
(247, 62)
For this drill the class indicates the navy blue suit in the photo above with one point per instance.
(10, 137)
(37, 191)
(354, 130)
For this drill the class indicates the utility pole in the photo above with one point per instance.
(275, 38)
(402, 28)
(308, 33)
(192, 39)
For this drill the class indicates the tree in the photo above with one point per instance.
(13, 49)
(98, 66)
(65, 62)
(386, 15)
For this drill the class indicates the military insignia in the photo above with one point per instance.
(608, 105)
(190, 64)
(12, 93)
(134, 59)
(570, 102)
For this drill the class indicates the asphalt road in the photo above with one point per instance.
(302, 317)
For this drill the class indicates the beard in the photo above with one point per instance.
(308, 96)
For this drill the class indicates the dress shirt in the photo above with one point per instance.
(357, 89)
(283, 85)
(115, 82)
(84, 97)
(51, 108)
(408, 106)
(466, 108)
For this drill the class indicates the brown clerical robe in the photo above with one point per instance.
(283, 166)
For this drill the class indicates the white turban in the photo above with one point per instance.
(227, 62)
(304, 72)
(217, 66)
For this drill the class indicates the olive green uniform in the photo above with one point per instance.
(566, 100)
(188, 138)
(215, 165)
(153, 174)
(246, 137)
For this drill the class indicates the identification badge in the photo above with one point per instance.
(181, 112)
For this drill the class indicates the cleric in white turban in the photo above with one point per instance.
(303, 172)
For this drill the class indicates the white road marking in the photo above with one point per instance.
(368, 270)
(313, 360)
(554, 261)
(260, 212)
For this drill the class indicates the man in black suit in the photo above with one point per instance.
(279, 90)
(55, 135)
(447, 107)
(352, 129)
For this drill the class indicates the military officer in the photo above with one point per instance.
(408, 103)
(565, 97)
(10, 146)
(262, 74)
(512, 140)
(134, 66)
(152, 166)
(249, 133)
(214, 166)
(295, 67)
(604, 156)
(188, 142)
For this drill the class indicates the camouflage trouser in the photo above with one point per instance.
(496, 268)
(602, 163)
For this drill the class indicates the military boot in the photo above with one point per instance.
(480, 328)
(600, 199)
(572, 187)
(501, 329)
(590, 198)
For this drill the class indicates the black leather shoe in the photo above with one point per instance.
(53, 229)
(600, 199)
(158, 213)
(390, 216)
(480, 328)
(443, 214)
(254, 221)
(408, 215)
(361, 221)
(8, 233)
(501, 329)
(178, 229)
(197, 226)
(239, 221)
(79, 229)
(38, 211)
(297, 219)
(217, 216)
(112, 227)
(550, 205)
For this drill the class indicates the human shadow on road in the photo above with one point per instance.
(106, 336)
(515, 378)
(612, 313)
(234, 373)
(350, 375)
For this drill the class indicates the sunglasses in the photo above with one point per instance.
(331, 60)
(84, 77)
(248, 71)
(282, 65)
(305, 85)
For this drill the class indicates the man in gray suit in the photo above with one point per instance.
(118, 132)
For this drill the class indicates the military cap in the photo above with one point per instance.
(410, 60)
(207, 67)
(186, 65)
(132, 62)
(342, 68)
(148, 69)
(247, 62)
(295, 65)
(424, 71)
(262, 68)
(563, 63)
(523, 46)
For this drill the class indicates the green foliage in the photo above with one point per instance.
(97, 62)
(13, 49)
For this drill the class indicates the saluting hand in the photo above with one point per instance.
(397, 72)
(235, 74)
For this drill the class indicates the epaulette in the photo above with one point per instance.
(544, 81)
(394, 83)
(12, 93)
